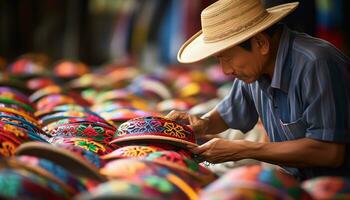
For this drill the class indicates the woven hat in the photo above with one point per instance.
(226, 23)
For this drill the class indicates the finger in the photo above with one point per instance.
(191, 146)
(171, 114)
(178, 116)
(196, 124)
(200, 149)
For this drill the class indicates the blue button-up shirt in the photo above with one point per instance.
(307, 97)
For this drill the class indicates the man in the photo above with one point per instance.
(298, 86)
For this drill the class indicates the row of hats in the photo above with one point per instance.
(36, 175)
(140, 178)
(174, 88)
(18, 123)
(146, 149)
(68, 123)
(248, 182)
(142, 158)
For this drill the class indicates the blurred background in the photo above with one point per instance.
(147, 33)
(101, 63)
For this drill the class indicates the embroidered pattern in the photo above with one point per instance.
(89, 145)
(155, 126)
(7, 149)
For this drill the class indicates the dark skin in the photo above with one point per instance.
(249, 66)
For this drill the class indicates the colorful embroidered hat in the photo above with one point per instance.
(68, 181)
(70, 69)
(70, 160)
(12, 93)
(24, 106)
(328, 187)
(100, 132)
(16, 134)
(150, 88)
(37, 83)
(22, 184)
(50, 101)
(135, 168)
(255, 182)
(26, 116)
(34, 132)
(8, 144)
(119, 116)
(84, 81)
(52, 181)
(128, 167)
(83, 142)
(89, 116)
(176, 161)
(120, 190)
(154, 128)
(51, 89)
(26, 67)
(51, 126)
(167, 186)
(132, 151)
(18, 109)
(37, 174)
(82, 153)
(141, 150)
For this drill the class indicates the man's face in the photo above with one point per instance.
(242, 64)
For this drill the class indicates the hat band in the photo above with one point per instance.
(234, 31)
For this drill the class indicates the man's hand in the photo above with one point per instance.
(197, 124)
(219, 150)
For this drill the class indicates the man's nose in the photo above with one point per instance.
(226, 69)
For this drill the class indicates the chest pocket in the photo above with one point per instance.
(294, 130)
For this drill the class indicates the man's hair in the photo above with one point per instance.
(269, 31)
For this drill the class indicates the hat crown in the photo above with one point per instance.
(226, 18)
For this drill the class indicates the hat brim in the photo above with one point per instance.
(195, 49)
(62, 157)
(158, 138)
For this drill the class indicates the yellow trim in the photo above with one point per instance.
(22, 114)
(192, 195)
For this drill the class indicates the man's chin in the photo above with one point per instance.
(247, 80)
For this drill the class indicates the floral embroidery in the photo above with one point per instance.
(154, 126)
(136, 151)
(89, 145)
(174, 130)
(88, 130)
(13, 129)
(7, 149)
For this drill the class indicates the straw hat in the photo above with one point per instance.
(226, 23)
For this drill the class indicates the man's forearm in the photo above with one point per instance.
(215, 123)
(297, 153)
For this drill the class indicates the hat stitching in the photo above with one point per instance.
(236, 30)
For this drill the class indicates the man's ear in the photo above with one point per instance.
(262, 42)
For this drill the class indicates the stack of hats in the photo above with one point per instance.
(152, 158)
(71, 132)
(18, 123)
(255, 182)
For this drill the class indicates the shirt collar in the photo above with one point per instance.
(281, 75)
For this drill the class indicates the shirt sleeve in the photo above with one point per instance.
(237, 109)
(326, 97)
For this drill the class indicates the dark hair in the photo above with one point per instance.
(269, 31)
